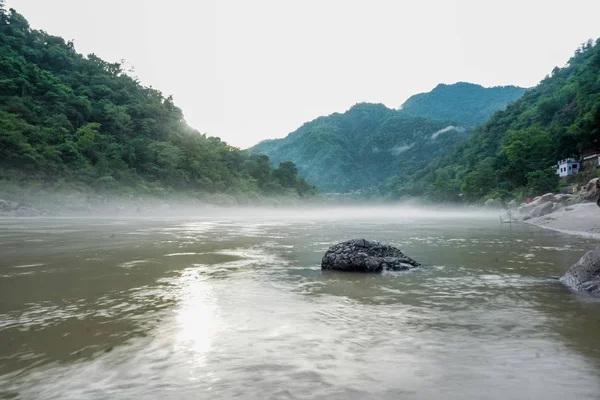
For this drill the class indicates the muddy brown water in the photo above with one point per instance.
(235, 305)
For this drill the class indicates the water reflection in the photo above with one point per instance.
(197, 315)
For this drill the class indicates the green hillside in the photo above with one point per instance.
(364, 146)
(374, 149)
(71, 119)
(514, 152)
(466, 103)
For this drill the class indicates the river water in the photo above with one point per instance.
(234, 304)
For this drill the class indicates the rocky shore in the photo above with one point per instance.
(575, 214)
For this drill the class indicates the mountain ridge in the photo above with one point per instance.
(367, 139)
(343, 143)
(469, 103)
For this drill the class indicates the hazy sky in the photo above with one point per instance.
(249, 70)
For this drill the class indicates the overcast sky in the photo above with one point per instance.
(249, 70)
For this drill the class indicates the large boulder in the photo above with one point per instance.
(585, 274)
(591, 190)
(541, 210)
(525, 209)
(563, 197)
(363, 255)
(547, 197)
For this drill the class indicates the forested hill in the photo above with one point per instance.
(364, 146)
(513, 154)
(463, 102)
(84, 121)
(371, 144)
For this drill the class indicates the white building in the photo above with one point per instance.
(567, 167)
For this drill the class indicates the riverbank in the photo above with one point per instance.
(578, 219)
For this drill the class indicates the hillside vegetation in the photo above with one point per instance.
(466, 103)
(513, 154)
(364, 146)
(373, 149)
(84, 122)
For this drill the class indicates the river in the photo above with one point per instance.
(233, 304)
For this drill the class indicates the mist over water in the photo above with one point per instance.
(226, 302)
(71, 205)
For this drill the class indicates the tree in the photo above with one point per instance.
(527, 150)
(543, 181)
(480, 181)
(286, 174)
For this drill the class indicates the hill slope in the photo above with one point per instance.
(362, 147)
(463, 102)
(513, 154)
(370, 143)
(81, 120)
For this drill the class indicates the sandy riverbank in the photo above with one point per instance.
(582, 220)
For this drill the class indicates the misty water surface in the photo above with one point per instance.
(232, 303)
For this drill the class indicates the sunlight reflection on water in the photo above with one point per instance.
(197, 315)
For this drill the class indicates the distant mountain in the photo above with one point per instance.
(364, 146)
(370, 144)
(466, 103)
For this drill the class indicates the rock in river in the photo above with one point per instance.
(585, 274)
(363, 255)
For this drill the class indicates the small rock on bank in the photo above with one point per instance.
(584, 275)
(6, 205)
(361, 255)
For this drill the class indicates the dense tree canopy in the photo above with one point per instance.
(466, 103)
(81, 119)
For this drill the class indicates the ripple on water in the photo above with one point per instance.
(133, 263)
(253, 319)
(28, 265)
